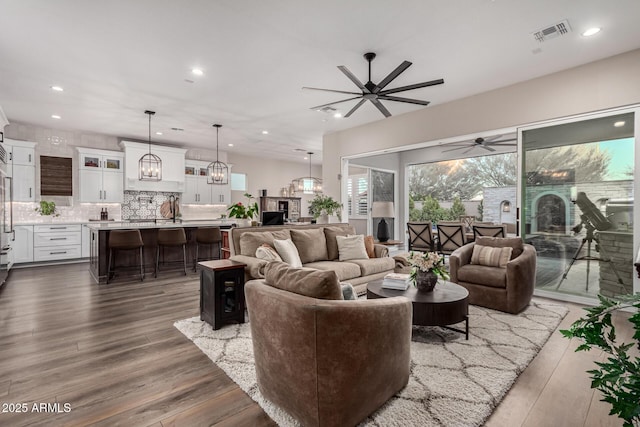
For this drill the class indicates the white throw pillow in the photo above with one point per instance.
(267, 253)
(351, 247)
(288, 252)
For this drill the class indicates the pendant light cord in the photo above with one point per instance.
(149, 133)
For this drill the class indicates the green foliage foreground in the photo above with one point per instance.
(618, 378)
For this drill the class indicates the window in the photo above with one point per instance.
(357, 189)
(238, 181)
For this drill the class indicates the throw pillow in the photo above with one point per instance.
(491, 257)
(267, 253)
(330, 234)
(288, 252)
(348, 293)
(368, 245)
(251, 240)
(351, 247)
(311, 244)
(321, 284)
(500, 242)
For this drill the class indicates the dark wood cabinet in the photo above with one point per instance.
(222, 292)
(290, 206)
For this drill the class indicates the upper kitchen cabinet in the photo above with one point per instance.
(101, 175)
(22, 158)
(173, 167)
(196, 190)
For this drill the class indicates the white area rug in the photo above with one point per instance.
(453, 382)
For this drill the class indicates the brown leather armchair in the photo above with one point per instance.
(507, 289)
(328, 362)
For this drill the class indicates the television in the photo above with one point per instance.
(272, 218)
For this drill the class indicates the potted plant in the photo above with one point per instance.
(617, 377)
(244, 213)
(426, 268)
(321, 206)
(47, 208)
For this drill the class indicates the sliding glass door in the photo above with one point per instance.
(577, 204)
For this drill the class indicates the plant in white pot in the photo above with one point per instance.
(244, 213)
(321, 206)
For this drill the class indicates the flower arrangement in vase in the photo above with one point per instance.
(426, 268)
(242, 212)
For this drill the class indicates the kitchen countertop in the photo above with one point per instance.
(121, 225)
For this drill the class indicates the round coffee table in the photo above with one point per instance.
(448, 304)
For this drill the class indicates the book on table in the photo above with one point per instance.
(396, 281)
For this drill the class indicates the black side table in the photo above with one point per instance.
(221, 292)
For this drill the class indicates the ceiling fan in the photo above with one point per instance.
(374, 92)
(485, 143)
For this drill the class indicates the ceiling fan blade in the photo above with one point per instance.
(330, 90)
(358, 105)
(486, 147)
(454, 149)
(502, 140)
(317, 107)
(400, 99)
(353, 78)
(411, 87)
(392, 75)
(380, 107)
(471, 148)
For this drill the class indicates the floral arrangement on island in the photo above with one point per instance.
(426, 262)
(240, 211)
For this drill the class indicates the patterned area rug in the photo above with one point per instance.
(453, 382)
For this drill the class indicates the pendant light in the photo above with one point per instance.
(308, 184)
(150, 165)
(217, 172)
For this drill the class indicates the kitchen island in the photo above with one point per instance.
(99, 249)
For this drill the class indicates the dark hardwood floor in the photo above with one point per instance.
(112, 353)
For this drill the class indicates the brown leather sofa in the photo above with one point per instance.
(507, 289)
(326, 362)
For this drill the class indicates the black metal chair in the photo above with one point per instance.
(450, 237)
(420, 236)
(124, 240)
(171, 237)
(210, 237)
(489, 231)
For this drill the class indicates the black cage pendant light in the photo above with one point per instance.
(217, 172)
(150, 165)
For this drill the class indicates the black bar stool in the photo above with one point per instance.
(171, 237)
(208, 236)
(120, 240)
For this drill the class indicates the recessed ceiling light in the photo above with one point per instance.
(158, 133)
(55, 116)
(591, 31)
(619, 124)
(265, 132)
(337, 115)
(306, 158)
(197, 71)
(230, 145)
(57, 88)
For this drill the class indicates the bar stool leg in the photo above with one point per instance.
(141, 265)
(184, 258)
(195, 261)
(109, 265)
(155, 271)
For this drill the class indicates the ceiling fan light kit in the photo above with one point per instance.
(217, 171)
(150, 165)
(375, 93)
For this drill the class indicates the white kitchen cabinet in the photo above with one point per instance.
(221, 194)
(172, 167)
(86, 241)
(21, 152)
(22, 244)
(57, 242)
(101, 176)
(196, 189)
(24, 183)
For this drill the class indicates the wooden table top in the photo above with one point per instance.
(444, 292)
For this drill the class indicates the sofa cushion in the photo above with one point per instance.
(351, 247)
(345, 270)
(491, 257)
(252, 240)
(501, 242)
(311, 244)
(494, 277)
(370, 246)
(267, 253)
(288, 252)
(311, 283)
(330, 234)
(374, 265)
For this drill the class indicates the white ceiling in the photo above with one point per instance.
(117, 58)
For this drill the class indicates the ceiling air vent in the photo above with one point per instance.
(557, 30)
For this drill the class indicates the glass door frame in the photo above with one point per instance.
(521, 187)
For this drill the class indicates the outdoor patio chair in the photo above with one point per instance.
(450, 237)
(496, 230)
(420, 236)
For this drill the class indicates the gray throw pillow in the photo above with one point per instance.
(348, 293)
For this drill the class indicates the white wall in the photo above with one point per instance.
(604, 84)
